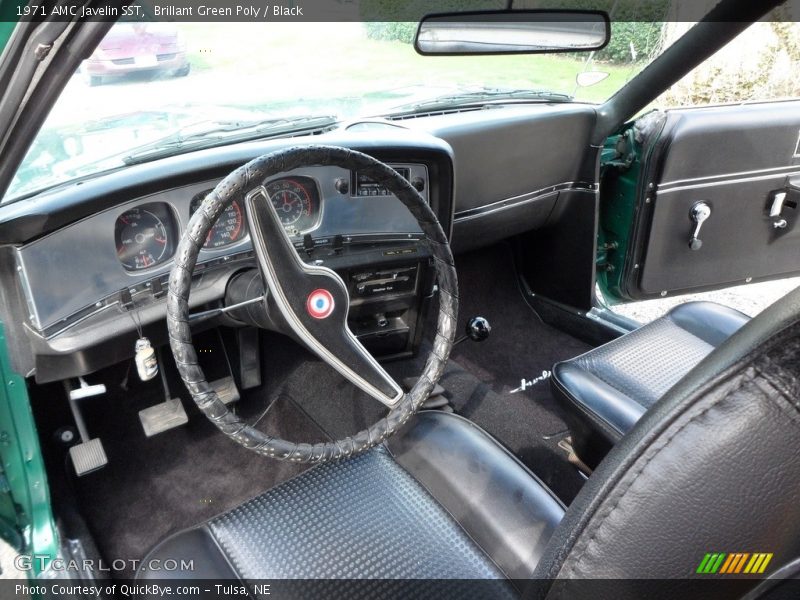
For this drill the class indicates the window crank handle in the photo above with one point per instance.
(699, 214)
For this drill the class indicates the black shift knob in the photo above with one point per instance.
(478, 329)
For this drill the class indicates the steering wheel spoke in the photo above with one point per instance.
(314, 302)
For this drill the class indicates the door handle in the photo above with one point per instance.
(699, 214)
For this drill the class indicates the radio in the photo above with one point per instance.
(385, 282)
(364, 186)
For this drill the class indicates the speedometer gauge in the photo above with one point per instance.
(291, 200)
(228, 229)
(142, 238)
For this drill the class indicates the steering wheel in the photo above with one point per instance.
(312, 300)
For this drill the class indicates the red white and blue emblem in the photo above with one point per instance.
(320, 304)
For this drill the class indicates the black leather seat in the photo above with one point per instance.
(442, 500)
(607, 390)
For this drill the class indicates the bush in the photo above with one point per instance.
(760, 64)
(645, 37)
(401, 32)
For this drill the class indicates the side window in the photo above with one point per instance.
(760, 64)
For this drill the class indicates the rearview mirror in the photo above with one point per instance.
(513, 32)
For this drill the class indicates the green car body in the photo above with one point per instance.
(26, 516)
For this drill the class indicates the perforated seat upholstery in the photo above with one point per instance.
(607, 390)
(441, 500)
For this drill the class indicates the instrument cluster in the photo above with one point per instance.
(147, 235)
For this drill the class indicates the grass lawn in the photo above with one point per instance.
(327, 60)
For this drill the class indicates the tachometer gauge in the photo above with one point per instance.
(291, 200)
(228, 229)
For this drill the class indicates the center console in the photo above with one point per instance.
(388, 301)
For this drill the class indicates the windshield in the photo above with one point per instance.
(151, 90)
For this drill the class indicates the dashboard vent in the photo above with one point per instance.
(372, 125)
(301, 133)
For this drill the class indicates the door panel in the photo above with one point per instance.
(737, 165)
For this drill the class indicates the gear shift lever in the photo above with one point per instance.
(477, 330)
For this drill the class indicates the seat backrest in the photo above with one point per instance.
(712, 468)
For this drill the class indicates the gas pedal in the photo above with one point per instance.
(226, 389)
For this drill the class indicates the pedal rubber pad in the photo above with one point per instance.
(226, 389)
(88, 456)
(163, 417)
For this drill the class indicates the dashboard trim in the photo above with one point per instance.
(517, 201)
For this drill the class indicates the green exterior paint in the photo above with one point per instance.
(26, 517)
(8, 19)
(618, 192)
(5, 33)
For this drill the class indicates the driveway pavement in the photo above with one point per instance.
(750, 299)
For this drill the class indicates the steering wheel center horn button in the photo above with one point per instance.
(320, 304)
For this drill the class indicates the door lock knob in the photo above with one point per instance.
(699, 214)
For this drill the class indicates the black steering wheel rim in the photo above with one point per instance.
(237, 186)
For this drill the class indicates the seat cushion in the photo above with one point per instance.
(384, 515)
(607, 390)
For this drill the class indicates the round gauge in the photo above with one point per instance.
(228, 229)
(290, 199)
(142, 239)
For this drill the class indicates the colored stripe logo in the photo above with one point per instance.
(320, 304)
(734, 563)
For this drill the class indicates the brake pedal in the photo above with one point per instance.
(89, 455)
(165, 416)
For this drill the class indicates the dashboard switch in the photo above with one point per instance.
(126, 299)
(308, 243)
(158, 289)
(342, 185)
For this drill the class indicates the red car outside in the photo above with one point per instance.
(138, 47)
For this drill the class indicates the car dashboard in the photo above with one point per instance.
(87, 287)
(85, 265)
(125, 252)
